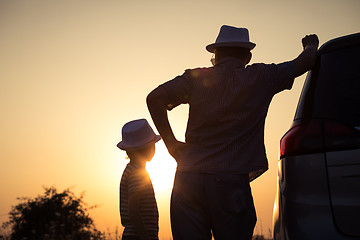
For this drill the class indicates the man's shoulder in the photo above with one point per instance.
(194, 72)
(267, 65)
(261, 68)
(273, 68)
(257, 66)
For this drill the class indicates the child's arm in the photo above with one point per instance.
(135, 216)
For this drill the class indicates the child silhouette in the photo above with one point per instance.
(138, 208)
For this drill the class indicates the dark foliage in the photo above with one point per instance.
(53, 215)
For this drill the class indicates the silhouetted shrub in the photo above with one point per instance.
(53, 215)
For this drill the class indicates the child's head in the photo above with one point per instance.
(138, 140)
(143, 154)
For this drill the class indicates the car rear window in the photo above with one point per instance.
(337, 90)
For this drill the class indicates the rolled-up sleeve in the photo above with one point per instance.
(280, 76)
(178, 90)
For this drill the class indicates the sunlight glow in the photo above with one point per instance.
(162, 169)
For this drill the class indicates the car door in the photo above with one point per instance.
(337, 104)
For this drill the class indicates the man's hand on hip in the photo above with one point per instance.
(176, 148)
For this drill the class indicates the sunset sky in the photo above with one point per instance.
(73, 72)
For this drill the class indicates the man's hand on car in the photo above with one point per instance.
(310, 41)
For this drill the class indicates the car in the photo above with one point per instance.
(318, 185)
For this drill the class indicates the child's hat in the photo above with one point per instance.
(137, 134)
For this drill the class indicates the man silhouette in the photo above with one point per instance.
(224, 141)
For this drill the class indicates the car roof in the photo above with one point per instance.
(341, 42)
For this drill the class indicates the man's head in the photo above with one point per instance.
(232, 42)
(242, 54)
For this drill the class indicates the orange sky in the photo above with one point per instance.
(73, 72)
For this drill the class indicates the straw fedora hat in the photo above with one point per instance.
(137, 134)
(231, 37)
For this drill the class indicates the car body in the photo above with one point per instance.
(318, 192)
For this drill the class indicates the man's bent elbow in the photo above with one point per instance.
(150, 98)
(156, 97)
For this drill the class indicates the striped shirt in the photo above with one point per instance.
(228, 106)
(137, 179)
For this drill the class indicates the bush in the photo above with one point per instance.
(53, 215)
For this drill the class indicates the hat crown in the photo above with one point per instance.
(231, 37)
(232, 34)
(136, 134)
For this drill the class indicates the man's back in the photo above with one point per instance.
(228, 106)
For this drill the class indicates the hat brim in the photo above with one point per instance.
(249, 45)
(122, 145)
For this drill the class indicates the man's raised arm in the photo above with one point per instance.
(307, 59)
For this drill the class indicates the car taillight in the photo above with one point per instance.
(305, 137)
(318, 136)
(340, 137)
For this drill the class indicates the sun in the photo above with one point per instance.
(162, 169)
